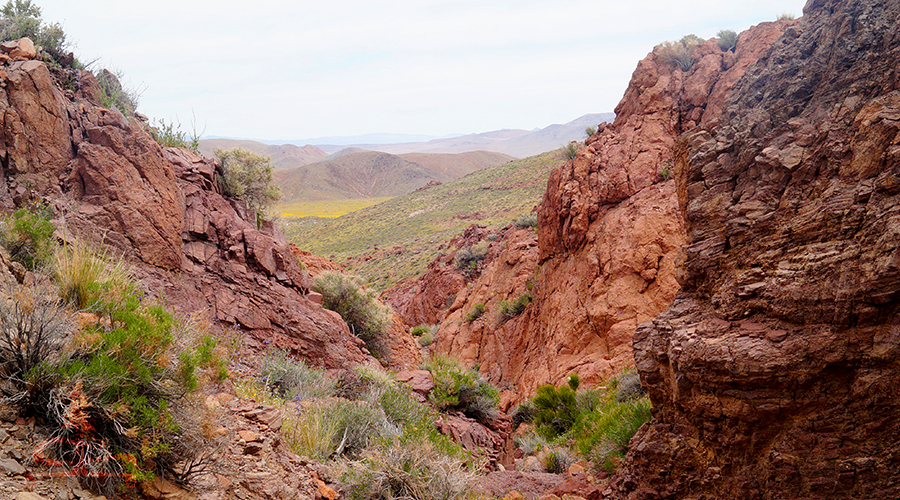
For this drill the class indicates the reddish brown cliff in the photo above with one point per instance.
(609, 230)
(774, 373)
(108, 180)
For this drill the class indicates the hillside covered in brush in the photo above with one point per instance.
(396, 239)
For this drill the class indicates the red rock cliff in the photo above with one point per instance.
(774, 373)
(604, 257)
(108, 180)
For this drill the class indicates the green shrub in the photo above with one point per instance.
(570, 150)
(589, 131)
(727, 40)
(461, 389)
(469, 257)
(20, 18)
(249, 177)
(420, 330)
(557, 409)
(476, 312)
(366, 318)
(603, 434)
(509, 310)
(427, 339)
(292, 379)
(665, 173)
(28, 236)
(557, 461)
(526, 221)
(681, 53)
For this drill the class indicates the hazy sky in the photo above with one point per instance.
(273, 69)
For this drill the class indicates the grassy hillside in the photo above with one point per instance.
(283, 156)
(372, 174)
(406, 231)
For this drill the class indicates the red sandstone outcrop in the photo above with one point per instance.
(609, 232)
(108, 180)
(774, 373)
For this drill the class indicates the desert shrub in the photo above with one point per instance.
(20, 18)
(33, 325)
(727, 39)
(557, 461)
(526, 220)
(628, 387)
(786, 16)
(469, 257)
(476, 312)
(523, 413)
(665, 172)
(509, 310)
(426, 339)
(359, 307)
(557, 409)
(114, 95)
(589, 131)
(461, 389)
(292, 379)
(681, 53)
(530, 443)
(249, 177)
(28, 236)
(416, 471)
(570, 150)
(90, 279)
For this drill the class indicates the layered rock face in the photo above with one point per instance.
(774, 373)
(109, 182)
(609, 231)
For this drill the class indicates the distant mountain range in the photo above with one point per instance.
(514, 142)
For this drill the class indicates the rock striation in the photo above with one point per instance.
(109, 182)
(774, 373)
(605, 254)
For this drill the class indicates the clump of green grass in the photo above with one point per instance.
(597, 424)
(509, 310)
(476, 312)
(170, 135)
(292, 379)
(28, 236)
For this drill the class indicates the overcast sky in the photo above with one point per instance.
(274, 69)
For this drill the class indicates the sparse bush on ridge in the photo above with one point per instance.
(786, 16)
(170, 135)
(727, 39)
(114, 95)
(589, 131)
(681, 53)
(468, 258)
(570, 150)
(249, 177)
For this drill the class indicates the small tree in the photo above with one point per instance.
(727, 39)
(249, 176)
(21, 18)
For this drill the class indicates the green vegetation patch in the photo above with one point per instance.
(329, 209)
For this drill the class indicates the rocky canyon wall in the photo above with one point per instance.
(109, 182)
(609, 232)
(774, 373)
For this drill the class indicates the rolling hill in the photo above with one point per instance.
(373, 174)
(283, 156)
